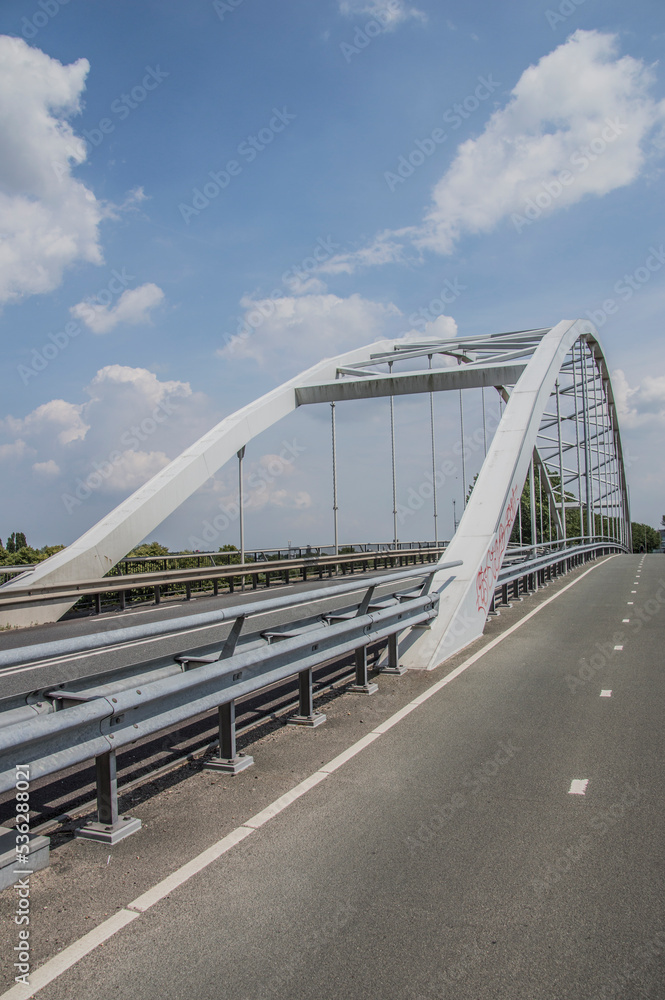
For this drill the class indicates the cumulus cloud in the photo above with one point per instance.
(132, 468)
(15, 449)
(576, 126)
(56, 421)
(310, 326)
(130, 426)
(46, 469)
(134, 307)
(49, 220)
(640, 404)
(389, 13)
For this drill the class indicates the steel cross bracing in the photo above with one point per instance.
(558, 433)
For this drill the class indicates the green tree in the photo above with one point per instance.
(16, 541)
(26, 555)
(146, 550)
(645, 538)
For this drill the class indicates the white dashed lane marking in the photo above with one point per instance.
(578, 786)
(605, 694)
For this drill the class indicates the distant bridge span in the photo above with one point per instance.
(559, 423)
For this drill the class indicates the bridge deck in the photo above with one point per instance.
(446, 858)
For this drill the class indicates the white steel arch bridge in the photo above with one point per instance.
(558, 433)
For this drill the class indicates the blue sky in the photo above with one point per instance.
(340, 191)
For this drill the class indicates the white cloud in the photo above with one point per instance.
(15, 449)
(131, 426)
(386, 248)
(264, 486)
(640, 404)
(133, 307)
(48, 219)
(56, 421)
(133, 468)
(440, 328)
(46, 469)
(582, 109)
(296, 330)
(389, 13)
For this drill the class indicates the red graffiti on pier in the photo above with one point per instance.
(488, 572)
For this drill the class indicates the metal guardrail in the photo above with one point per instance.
(73, 726)
(134, 564)
(70, 726)
(289, 570)
(526, 575)
(199, 560)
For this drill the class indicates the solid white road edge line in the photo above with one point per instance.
(69, 956)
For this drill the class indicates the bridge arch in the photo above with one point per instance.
(528, 368)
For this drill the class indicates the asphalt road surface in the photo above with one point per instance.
(502, 838)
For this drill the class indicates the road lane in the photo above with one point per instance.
(449, 857)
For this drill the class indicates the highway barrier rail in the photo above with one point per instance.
(120, 590)
(54, 729)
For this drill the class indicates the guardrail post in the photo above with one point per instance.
(158, 594)
(98, 604)
(228, 759)
(362, 684)
(393, 665)
(109, 828)
(306, 715)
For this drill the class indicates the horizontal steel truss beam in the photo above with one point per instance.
(431, 380)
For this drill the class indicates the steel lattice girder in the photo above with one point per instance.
(484, 530)
(485, 526)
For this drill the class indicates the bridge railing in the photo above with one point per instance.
(120, 590)
(527, 568)
(73, 723)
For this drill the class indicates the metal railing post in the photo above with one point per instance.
(393, 665)
(109, 828)
(362, 683)
(306, 715)
(228, 759)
